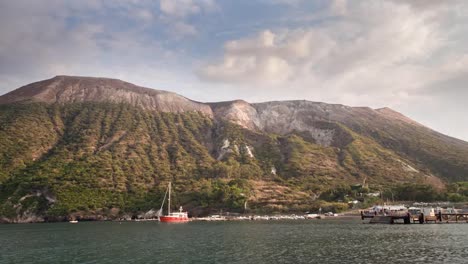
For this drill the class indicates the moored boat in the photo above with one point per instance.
(172, 217)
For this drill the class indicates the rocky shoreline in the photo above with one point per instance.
(239, 217)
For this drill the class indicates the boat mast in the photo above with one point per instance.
(169, 201)
(164, 200)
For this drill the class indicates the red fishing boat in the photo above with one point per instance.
(172, 217)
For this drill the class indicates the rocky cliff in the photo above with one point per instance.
(445, 156)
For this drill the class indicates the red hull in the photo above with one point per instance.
(173, 219)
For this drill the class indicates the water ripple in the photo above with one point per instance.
(330, 241)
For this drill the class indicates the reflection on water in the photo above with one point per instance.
(326, 241)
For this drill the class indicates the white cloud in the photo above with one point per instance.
(423, 4)
(377, 53)
(184, 8)
(39, 42)
(144, 14)
(266, 58)
(176, 12)
(179, 8)
(182, 28)
(283, 2)
(339, 7)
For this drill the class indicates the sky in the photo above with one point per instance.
(411, 56)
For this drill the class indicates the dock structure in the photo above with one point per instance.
(449, 217)
(389, 218)
(408, 218)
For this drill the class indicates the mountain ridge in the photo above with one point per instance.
(88, 147)
(317, 119)
(25, 93)
(68, 89)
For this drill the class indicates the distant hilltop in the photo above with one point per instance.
(73, 89)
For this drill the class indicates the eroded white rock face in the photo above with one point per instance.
(226, 144)
(28, 215)
(273, 170)
(227, 148)
(39, 193)
(239, 112)
(224, 149)
(278, 117)
(408, 167)
(249, 151)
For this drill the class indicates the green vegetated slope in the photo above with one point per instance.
(108, 160)
(436, 153)
(92, 156)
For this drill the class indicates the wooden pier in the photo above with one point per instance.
(407, 218)
(389, 218)
(448, 217)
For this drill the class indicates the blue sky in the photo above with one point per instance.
(411, 56)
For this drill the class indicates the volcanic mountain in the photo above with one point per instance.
(104, 148)
(71, 89)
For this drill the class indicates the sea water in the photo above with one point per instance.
(300, 241)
